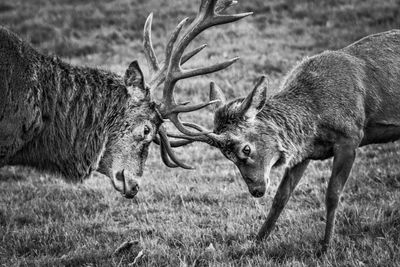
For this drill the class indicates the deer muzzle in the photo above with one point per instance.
(253, 175)
(257, 190)
(126, 183)
(256, 173)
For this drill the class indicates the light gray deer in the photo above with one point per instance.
(74, 120)
(328, 105)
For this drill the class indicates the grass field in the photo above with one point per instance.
(202, 217)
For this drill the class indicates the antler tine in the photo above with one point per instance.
(172, 40)
(165, 158)
(148, 46)
(180, 126)
(200, 138)
(192, 53)
(173, 143)
(207, 70)
(166, 148)
(184, 108)
(160, 76)
(210, 138)
(223, 19)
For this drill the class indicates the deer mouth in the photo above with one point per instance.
(124, 183)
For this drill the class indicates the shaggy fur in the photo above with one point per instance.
(68, 119)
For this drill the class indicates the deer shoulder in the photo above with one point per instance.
(20, 97)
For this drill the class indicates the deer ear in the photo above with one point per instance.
(256, 100)
(217, 94)
(134, 79)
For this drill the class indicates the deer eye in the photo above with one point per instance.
(146, 130)
(246, 150)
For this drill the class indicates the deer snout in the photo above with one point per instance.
(257, 190)
(126, 184)
(253, 175)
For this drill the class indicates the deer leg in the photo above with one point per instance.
(290, 179)
(344, 155)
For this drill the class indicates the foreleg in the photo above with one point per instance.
(344, 155)
(290, 180)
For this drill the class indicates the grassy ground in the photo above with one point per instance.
(202, 217)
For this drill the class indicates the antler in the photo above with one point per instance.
(209, 138)
(206, 18)
(171, 71)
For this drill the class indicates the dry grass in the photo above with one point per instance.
(203, 217)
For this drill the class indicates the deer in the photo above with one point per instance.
(327, 106)
(74, 120)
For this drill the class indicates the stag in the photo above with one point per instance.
(328, 105)
(74, 120)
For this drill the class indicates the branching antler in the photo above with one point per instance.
(206, 18)
(171, 71)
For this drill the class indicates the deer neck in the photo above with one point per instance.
(80, 106)
(292, 127)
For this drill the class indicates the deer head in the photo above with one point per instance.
(244, 136)
(149, 115)
(126, 148)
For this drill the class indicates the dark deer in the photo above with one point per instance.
(329, 105)
(74, 120)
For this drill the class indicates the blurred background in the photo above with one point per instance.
(179, 213)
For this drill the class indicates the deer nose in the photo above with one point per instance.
(130, 187)
(258, 191)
